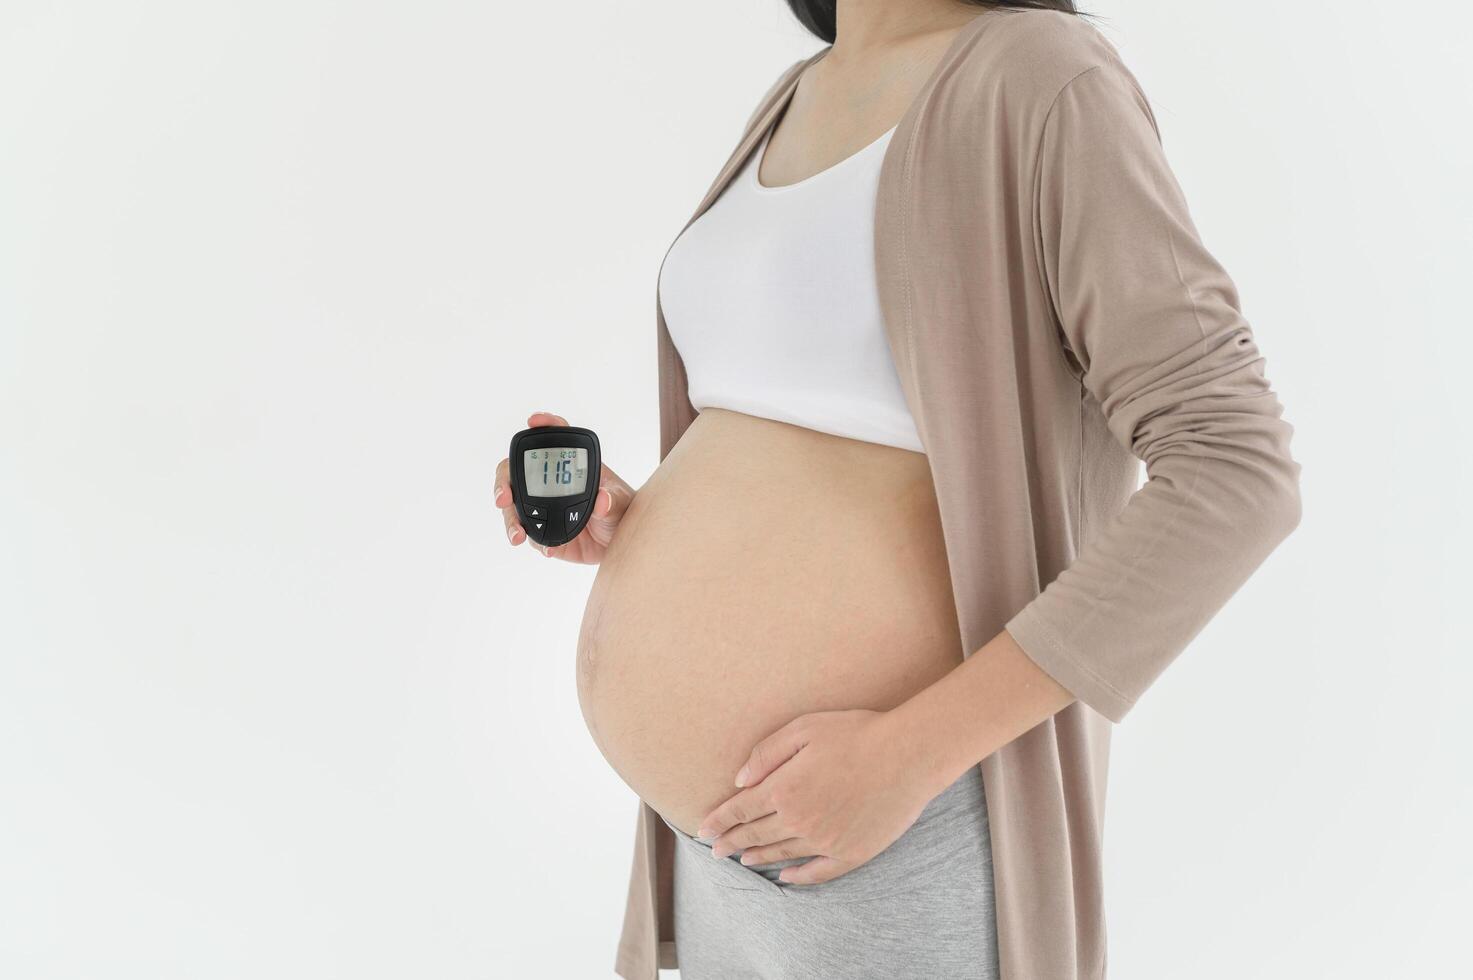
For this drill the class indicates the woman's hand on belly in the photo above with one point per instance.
(614, 496)
(833, 786)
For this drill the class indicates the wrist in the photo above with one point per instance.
(925, 754)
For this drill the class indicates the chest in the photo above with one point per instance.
(771, 299)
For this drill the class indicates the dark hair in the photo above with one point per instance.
(818, 15)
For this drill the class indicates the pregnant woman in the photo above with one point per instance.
(858, 642)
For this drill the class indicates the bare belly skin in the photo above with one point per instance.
(764, 571)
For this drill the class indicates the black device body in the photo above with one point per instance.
(553, 518)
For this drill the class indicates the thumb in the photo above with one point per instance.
(610, 504)
(772, 752)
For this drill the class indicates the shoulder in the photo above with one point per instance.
(1031, 55)
(1017, 65)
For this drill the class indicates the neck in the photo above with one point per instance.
(863, 27)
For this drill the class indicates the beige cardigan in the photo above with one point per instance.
(1054, 319)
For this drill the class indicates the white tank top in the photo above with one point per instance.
(770, 298)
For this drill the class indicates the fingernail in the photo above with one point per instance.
(704, 833)
(511, 533)
(745, 859)
(741, 779)
(715, 853)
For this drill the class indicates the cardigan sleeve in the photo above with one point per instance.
(1151, 326)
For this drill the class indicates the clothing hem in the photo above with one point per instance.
(628, 964)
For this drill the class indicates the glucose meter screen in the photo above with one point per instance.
(555, 472)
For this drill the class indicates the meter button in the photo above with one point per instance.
(573, 515)
(534, 511)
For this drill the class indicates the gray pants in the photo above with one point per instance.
(922, 908)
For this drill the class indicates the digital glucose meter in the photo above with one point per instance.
(554, 480)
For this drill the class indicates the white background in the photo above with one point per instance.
(278, 281)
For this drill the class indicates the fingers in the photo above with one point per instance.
(746, 806)
(763, 830)
(814, 871)
(501, 497)
(784, 850)
(501, 488)
(544, 418)
(773, 751)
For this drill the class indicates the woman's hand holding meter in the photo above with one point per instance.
(614, 496)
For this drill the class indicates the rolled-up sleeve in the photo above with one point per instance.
(1151, 325)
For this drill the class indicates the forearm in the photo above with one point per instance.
(990, 699)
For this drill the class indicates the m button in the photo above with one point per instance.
(571, 517)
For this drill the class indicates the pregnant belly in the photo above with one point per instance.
(764, 571)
